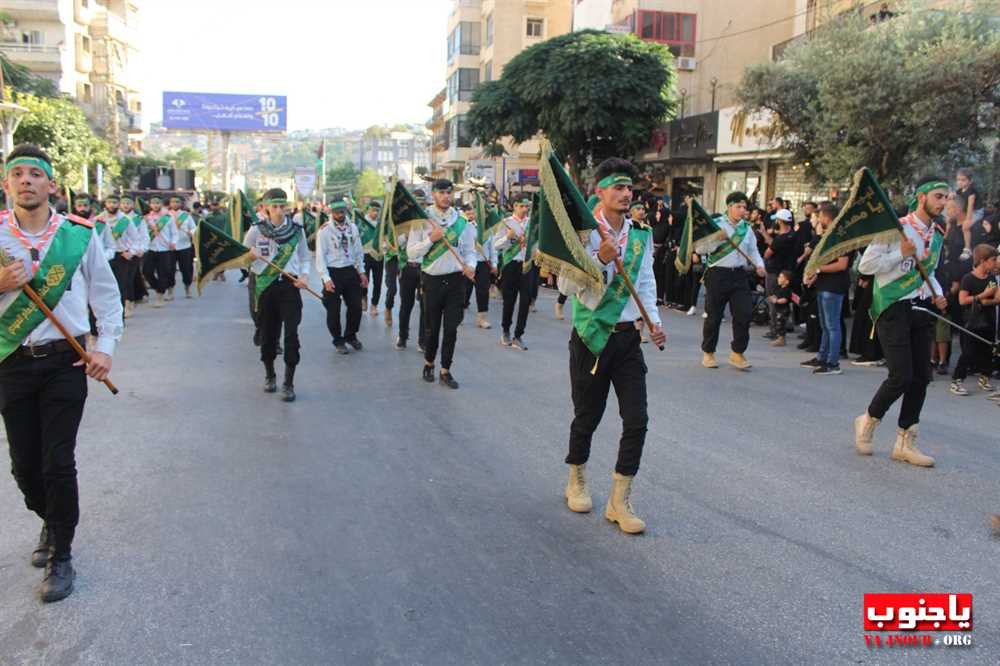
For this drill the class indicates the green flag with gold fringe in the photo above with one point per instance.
(531, 238)
(241, 215)
(403, 210)
(867, 216)
(217, 251)
(487, 219)
(564, 225)
(700, 232)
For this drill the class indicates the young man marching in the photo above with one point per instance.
(374, 267)
(159, 263)
(604, 348)
(485, 270)
(906, 334)
(43, 383)
(281, 270)
(410, 290)
(125, 238)
(339, 261)
(184, 248)
(510, 242)
(446, 250)
(140, 243)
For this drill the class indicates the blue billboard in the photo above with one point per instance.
(234, 113)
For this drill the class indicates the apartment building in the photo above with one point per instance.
(483, 36)
(88, 48)
(391, 153)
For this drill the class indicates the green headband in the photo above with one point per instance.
(338, 205)
(924, 189)
(275, 202)
(30, 161)
(637, 204)
(615, 179)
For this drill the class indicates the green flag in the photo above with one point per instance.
(403, 210)
(564, 224)
(216, 252)
(531, 241)
(867, 216)
(241, 215)
(487, 219)
(700, 232)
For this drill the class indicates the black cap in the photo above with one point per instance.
(466, 207)
(374, 204)
(442, 185)
(523, 199)
(736, 197)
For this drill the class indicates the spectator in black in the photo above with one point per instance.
(661, 252)
(864, 339)
(779, 255)
(970, 201)
(978, 297)
(781, 302)
(831, 283)
(950, 270)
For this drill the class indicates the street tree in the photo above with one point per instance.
(20, 79)
(343, 176)
(593, 95)
(369, 185)
(904, 96)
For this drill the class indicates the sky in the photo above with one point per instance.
(342, 63)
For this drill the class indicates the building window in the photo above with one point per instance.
(120, 98)
(471, 37)
(536, 27)
(672, 28)
(458, 130)
(488, 71)
(489, 30)
(35, 37)
(88, 93)
(85, 43)
(462, 83)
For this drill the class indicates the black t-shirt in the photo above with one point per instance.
(783, 293)
(962, 196)
(976, 286)
(836, 283)
(661, 230)
(783, 255)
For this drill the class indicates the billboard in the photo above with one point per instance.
(234, 113)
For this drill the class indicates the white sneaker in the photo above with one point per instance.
(692, 312)
(966, 254)
(956, 388)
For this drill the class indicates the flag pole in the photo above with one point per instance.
(920, 267)
(620, 267)
(289, 276)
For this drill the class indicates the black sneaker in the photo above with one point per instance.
(40, 556)
(828, 369)
(811, 363)
(288, 393)
(429, 374)
(58, 581)
(448, 380)
(400, 344)
(356, 344)
(270, 384)
(341, 347)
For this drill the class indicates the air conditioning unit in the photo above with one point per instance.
(686, 64)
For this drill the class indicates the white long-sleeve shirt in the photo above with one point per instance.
(298, 263)
(734, 259)
(484, 251)
(142, 233)
(92, 284)
(419, 244)
(501, 243)
(886, 262)
(129, 238)
(185, 225)
(338, 246)
(645, 284)
(167, 232)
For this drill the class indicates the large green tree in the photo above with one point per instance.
(20, 79)
(593, 95)
(59, 126)
(369, 185)
(902, 96)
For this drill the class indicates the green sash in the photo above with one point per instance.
(136, 219)
(369, 234)
(51, 281)
(401, 255)
(728, 248)
(99, 225)
(157, 227)
(120, 227)
(511, 252)
(181, 219)
(594, 326)
(266, 277)
(452, 233)
(886, 295)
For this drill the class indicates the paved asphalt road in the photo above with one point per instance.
(379, 520)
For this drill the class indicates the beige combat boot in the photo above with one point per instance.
(373, 311)
(739, 361)
(619, 508)
(864, 428)
(577, 495)
(559, 311)
(708, 360)
(170, 294)
(158, 301)
(906, 450)
(388, 317)
(481, 321)
(129, 309)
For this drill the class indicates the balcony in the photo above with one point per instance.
(111, 25)
(35, 57)
(45, 10)
(134, 121)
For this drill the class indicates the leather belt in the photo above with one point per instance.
(413, 264)
(46, 349)
(625, 326)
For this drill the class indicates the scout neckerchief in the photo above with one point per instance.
(518, 244)
(885, 295)
(727, 248)
(595, 326)
(34, 250)
(452, 234)
(286, 249)
(342, 234)
(67, 244)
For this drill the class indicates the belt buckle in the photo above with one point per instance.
(33, 353)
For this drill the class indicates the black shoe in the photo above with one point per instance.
(518, 343)
(429, 374)
(341, 347)
(448, 380)
(58, 581)
(256, 337)
(827, 369)
(356, 344)
(288, 393)
(802, 345)
(40, 555)
(400, 344)
(811, 363)
(769, 336)
(942, 369)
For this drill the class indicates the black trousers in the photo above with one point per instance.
(346, 288)
(122, 269)
(184, 260)
(515, 286)
(481, 285)
(373, 270)
(42, 404)
(443, 299)
(158, 267)
(906, 336)
(139, 290)
(975, 356)
(410, 291)
(280, 306)
(722, 286)
(391, 281)
(622, 365)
